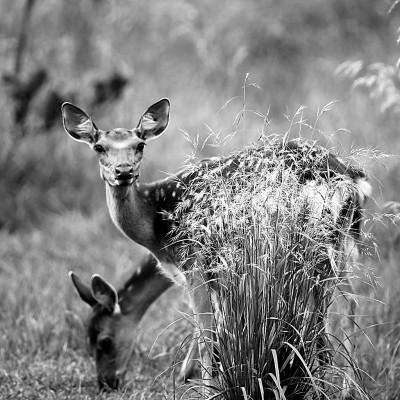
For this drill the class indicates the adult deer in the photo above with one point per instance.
(139, 209)
(135, 208)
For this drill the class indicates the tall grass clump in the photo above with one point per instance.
(267, 231)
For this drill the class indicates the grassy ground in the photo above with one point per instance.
(43, 347)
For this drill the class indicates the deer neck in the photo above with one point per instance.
(131, 213)
(142, 289)
(136, 211)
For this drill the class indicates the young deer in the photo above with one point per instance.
(116, 314)
(138, 209)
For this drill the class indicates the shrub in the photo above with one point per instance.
(266, 226)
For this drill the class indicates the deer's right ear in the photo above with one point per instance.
(77, 123)
(84, 291)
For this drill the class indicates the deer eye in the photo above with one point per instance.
(98, 148)
(140, 147)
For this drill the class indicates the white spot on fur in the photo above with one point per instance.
(364, 189)
(122, 144)
(173, 193)
(117, 309)
(321, 197)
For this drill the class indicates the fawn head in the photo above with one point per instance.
(109, 330)
(119, 150)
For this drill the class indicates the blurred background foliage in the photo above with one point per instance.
(115, 58)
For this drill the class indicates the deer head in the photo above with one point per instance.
(109, 329)
(119, 150)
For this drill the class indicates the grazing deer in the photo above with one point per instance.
(139, 209)
(116, 314)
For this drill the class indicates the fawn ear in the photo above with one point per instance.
(104, 293)
(154, 121)
(77, 123)
(84, 291)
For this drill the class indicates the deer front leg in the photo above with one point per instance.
(189, 368)
(345, 306)
(348, 327)
(202, 307)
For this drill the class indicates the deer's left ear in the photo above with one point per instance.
(83, 290)
(104, 293)
(154, 121)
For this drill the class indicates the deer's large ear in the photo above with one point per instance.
(77, 123)
(154, 121)
(83, 290)
(104, 293)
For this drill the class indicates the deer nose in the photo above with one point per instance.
(124, 171)
(111, 383)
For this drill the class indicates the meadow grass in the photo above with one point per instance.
(43, 340)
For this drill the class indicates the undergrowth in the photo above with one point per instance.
(268, 235)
